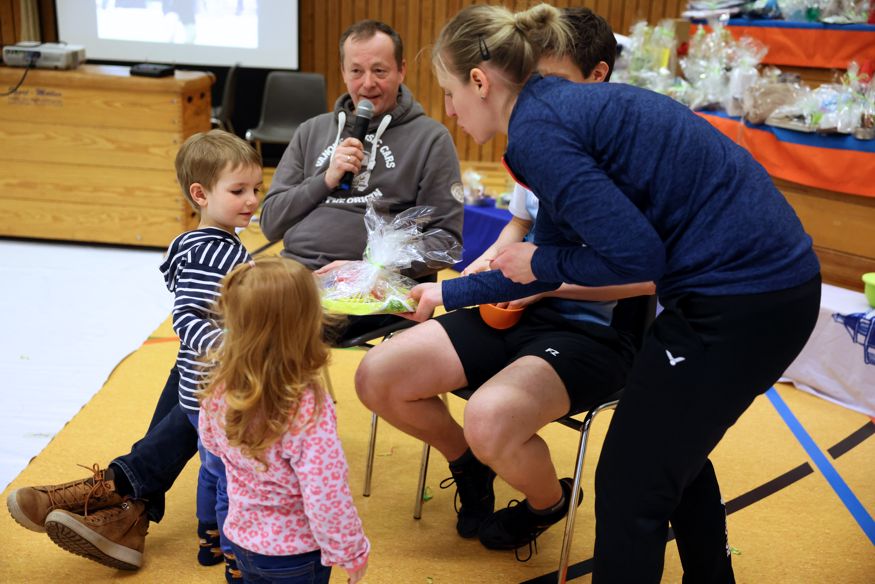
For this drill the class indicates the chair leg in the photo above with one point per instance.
(423, 471)
(575, 489)
(420, 488)
(372, 444)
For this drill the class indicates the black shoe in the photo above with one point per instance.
(516, 525)
(475, 498)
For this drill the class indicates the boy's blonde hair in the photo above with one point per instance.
(203, 157)
(273, 350)
(511, 42)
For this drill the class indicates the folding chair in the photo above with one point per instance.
(221, 114)
(290, 99)
(366, 341)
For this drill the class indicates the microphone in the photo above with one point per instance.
(363, 114)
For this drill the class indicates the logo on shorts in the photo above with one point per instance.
(672, 360)
(553, 352)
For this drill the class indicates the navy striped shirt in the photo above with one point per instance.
(195, 264)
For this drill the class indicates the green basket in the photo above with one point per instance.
(363, 305)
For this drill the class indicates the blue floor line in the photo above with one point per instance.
(847, 497)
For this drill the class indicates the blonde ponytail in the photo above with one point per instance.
(510, 42)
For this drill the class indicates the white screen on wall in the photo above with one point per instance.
(253, 33)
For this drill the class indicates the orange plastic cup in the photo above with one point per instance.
(500, 318)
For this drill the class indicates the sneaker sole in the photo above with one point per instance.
(78, 539)
(19, 515)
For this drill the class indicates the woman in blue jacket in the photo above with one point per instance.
(635, 187)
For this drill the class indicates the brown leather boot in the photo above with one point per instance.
(114, 536)
(29, 506)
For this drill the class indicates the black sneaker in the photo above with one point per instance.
(475, 498)
(516, 525)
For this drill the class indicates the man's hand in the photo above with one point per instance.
(429, 296)
(347, 157)
(515, 262)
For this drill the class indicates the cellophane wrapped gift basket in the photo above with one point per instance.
(375, 285)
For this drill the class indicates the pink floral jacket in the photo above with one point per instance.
(302, 502)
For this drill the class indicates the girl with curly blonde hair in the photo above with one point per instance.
(264, 413)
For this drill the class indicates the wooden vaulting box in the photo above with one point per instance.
(87, 154)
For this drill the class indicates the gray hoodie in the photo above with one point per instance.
(413, 163)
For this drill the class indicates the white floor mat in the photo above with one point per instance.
(71, 313)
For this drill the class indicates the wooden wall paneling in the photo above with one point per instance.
(603, 9)
(318, 50)
(843, 269)
(387, 11)
(93, 223)
(35, 180)
(306, 39)
(320, 47)
(657, 10)
(333, 81)
(618, 12)
(357, 10)
(442, 11)
(441, 15)
(400, 18)
(48, 26)
(83, 145)
(93, 107)
(842, 228)
(632, 13)
(8, 23)
(88, 154)
(845, 223)
(408, 27)
(420, 75)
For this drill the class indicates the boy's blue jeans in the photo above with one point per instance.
(300, 569)
(212, 490)
(156, 460)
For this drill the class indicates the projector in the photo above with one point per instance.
(44, 55)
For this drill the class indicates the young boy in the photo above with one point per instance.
(101, 518)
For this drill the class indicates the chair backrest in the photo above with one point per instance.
(229, 97)
(221, 114)
(290, 98)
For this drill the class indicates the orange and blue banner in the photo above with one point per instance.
(809, 44)
(833, 162)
